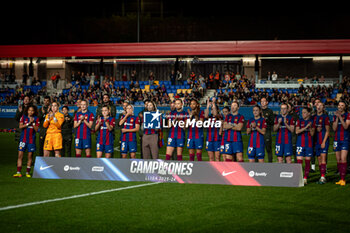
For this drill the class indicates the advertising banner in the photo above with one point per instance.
(226, 173)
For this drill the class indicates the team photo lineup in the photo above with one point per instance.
(298, 138)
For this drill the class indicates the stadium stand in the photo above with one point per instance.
(245, 90)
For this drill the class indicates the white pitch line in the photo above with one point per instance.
(74, 196)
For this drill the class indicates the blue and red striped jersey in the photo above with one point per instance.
(104, 136)
(321, 121)
(304, 139)
(176, 131)
(284, 136)
(196, 132)
(152, 131)
(130, 123)
(256, 139)
(83, 132)
(231, 135)
(28, 133)
(213, 134)
(341, 134)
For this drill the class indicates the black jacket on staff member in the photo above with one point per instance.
(67, 133)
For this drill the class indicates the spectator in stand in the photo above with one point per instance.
(133, 76)
(227, 77)
(172, 77)
(151, 78)
(53, 79)
(193, 76)
(238, 76)
(217, 79)
(92, 79)
(73, 76)
(124, 77)
(178, 77)
(211, 81)
(24, 78)
(269, 76)
(274, 76)
(87, 79)
(36, 82)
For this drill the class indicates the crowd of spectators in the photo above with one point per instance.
(246, 94)
(229, 86)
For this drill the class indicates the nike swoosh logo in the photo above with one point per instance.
(44, 168)
(228, 173)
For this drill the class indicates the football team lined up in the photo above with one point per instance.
(222, 143)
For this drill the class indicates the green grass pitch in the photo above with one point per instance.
(168, 207)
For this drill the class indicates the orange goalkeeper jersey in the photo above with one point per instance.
(51, 125)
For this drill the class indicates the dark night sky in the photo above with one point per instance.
(182, 21)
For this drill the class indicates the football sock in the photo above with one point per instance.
(179, 157)
(323, 170)
(342, 171)
(19, 169)
(307, 168)
(228, 160)
(78, 155)
(300, 161)
(241, 161)
(191, 157)
(167, 157)
(28, 170)
(88, 156)
(199, 156)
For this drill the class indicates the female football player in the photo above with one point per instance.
(130, 124)
(305, 130)
(176, 136)
(53, 122)
(322, 124)
(105, 137)
(232, 136)
(195, 134)
(341, 122)
(29, 124)
(83, 122)
(256, 128)
(213, 140)
(284, 126)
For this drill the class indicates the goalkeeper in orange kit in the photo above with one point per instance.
(53, 122)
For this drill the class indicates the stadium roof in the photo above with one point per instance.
(199, 48)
